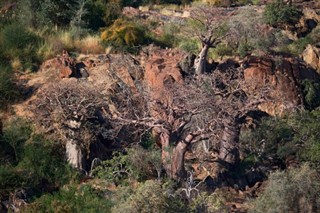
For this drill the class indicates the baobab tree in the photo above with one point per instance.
(193, 111)
(208, 27)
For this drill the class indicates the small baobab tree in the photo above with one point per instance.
(207, 24)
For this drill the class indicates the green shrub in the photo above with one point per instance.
(45, 161)
(30, 160)
(124, 35)
(95, 15)
(150, 196)
(71, 199)
(136, 164)
(8, 89)
(298, 46)
(15, 135)
(266, 140)
(296, 135)
(278, 14)
(311, 93)
(19, 43)
(189, 45)
(295, 191)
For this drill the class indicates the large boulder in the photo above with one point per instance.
(311, 55)
(280, 80)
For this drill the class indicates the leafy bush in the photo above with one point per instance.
(19, 43)
(124, 35)
(8, 89)
(30, 160)
(278, 14)
(15, 135)
(266, 140)
(71, 199)
(296, 190)
(296, 135)
(189, 45)
(137, 163)
(298, 46)
(150, 196)
(248, 34)
(168, 37)
(311, 91)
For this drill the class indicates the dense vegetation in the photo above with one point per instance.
(283, 151)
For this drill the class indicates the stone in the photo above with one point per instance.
(311, 55)
(282, 79)
(187, 63)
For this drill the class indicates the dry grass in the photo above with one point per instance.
(90, 44)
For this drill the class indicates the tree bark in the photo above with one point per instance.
(173, 161)
(165, 150)
(177, 164)
(229, 151)
(201, 61)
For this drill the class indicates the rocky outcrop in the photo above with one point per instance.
(311, 55)
(65, 66)
(280, 79)
(162, 68)
(308, 22)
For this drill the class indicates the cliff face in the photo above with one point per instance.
(283, 77)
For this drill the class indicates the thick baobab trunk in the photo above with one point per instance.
(201, 61)
(173, 161)
(74, 155)
(165, 147)
(229, 151)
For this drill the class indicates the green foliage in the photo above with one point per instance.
(169, 36)
(221, 50)
(29, 160)
(147, 141)
(150, 196)
(124, 35)
(248, 34)
(189, 45)
(296, 190)
(205, 202)
(71, 199)
(298, 46)
(15, 135)
(95, 15)
(18, 43)
(78, 26)
(145, 163)
(11, 179)
(8, 89)
(296, 135)
(137, 163)
(278, 14)
(45, 162)
(311, 92)
(268, 139)
(115, 170)
(112, 12)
